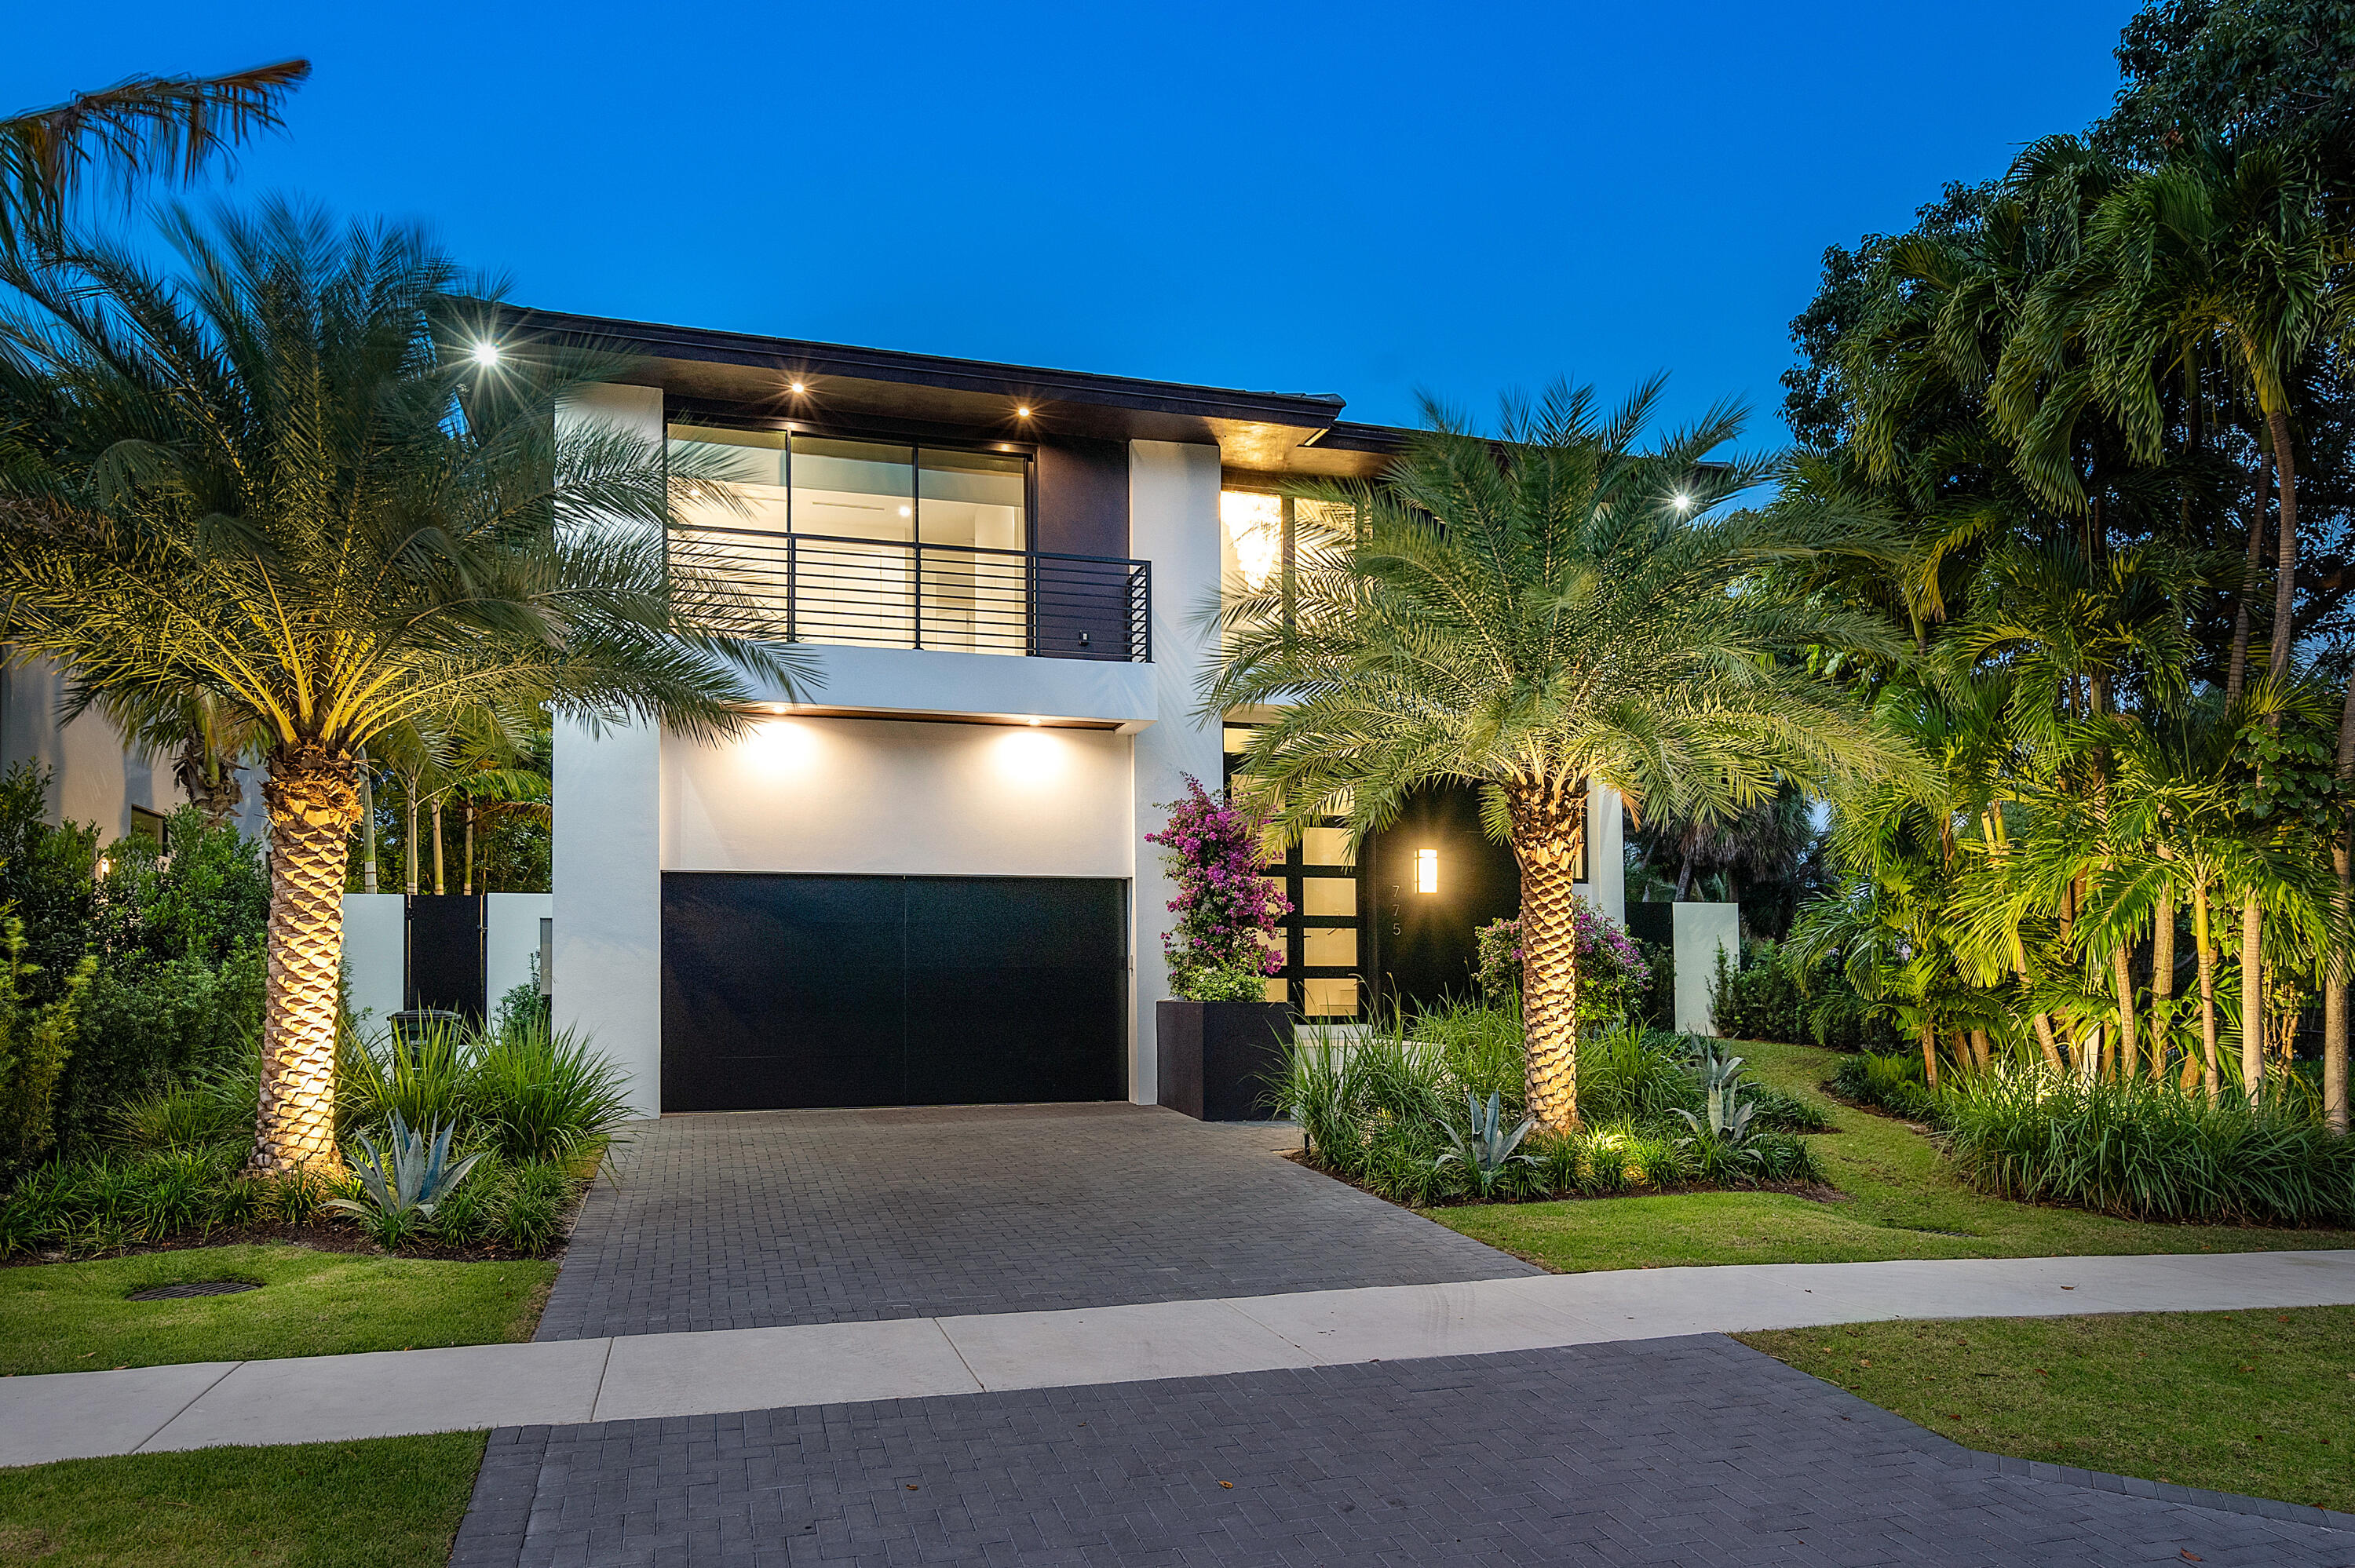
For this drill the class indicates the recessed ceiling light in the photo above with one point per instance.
(1022, 411)
(799, 387)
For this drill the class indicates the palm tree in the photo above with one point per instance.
(1535, 614)
(281, 476)
(2225, 244)
(169, 126)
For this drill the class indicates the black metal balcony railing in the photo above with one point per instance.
(883, 593)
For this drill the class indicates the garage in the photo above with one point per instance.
(787, 992)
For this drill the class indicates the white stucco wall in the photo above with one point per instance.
(606, 854)
(91, 777)
(1173, 512)
(510, 941)
(936, 681)
(1606, 854)
(1699, 931)
(376, 955)
(879, 796)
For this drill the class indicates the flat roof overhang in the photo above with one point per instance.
(1263, 432)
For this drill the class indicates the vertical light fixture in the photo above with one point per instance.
(1426, 871)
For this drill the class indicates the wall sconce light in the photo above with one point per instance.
(1426, 871)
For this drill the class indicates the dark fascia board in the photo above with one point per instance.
(1075, 400)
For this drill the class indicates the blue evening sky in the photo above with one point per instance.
(1365, 198)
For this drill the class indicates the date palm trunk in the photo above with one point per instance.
(314, 800)
(441, 884)
(1549, 828)
(1929, 1050)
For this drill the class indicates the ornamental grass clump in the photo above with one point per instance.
(1225, 942)
(2144, 1150)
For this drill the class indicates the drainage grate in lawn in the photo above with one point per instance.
(195, 1287)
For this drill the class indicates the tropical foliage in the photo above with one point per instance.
(299, 477)
(2102, 399)
(1536, 612)
(1434, 1109)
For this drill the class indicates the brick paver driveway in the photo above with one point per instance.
(753, 1220)
(1694, 1451)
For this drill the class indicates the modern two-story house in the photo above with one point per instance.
(926, 882)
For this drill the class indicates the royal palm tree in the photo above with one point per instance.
(168, 127)
(283, 477)
(1534, 614)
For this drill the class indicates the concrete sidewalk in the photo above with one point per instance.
(330, 1398)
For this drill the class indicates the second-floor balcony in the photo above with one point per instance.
(888, 593)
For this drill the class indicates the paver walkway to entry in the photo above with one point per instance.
(757, 1219)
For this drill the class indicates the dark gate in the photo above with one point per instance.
(784, 991)
(445, 952)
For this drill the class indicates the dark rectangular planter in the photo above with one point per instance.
(1218, 1060)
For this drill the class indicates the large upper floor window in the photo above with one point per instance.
(888, 545)
(786, 483)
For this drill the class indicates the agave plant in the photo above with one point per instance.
(1483, 1146)
(1728, 1113)
(407, 1187)
(1716, 1073)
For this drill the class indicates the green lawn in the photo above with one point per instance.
(2257, 1402)
(72, 1317)
(389, 1502)
(1900, 1200)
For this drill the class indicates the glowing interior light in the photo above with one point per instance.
(486, 354)
(1426, 871)
(1254, 526)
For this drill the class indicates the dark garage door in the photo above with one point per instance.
(781, 992)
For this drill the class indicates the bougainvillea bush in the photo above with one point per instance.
(1226, 941)
(1612, 974)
